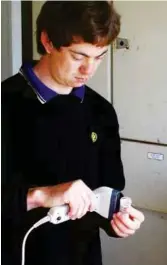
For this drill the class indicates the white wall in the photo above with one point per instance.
(146, 179)
(140, 99)
(140, 73)
(6, 67)
(11, 49)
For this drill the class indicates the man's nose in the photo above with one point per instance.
(87, 68)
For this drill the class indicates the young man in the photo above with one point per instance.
(61, 141)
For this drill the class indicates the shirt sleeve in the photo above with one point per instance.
(111, 167)
(14, 188)
(13, 191)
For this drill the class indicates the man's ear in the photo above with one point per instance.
(46, 42)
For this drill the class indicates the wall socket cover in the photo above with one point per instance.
(122, 43)
(155, 156)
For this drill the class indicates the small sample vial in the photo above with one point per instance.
(125, 203)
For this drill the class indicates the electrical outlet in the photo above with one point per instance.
(122, 43)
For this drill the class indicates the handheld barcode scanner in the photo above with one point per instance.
(107, 202)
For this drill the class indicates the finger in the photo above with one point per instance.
(136, 214)
(89, 201)
(93, 202)
(66, 198)
(87, 197)
(74, 206)
(90, 194)
(122, 227)
(82, 207)
(88, 191)
(86, 205)
(133, 224)
(117, 231)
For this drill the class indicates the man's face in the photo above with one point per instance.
(72, 66)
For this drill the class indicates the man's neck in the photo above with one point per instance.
(42, 72)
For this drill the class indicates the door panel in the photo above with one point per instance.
(140, 72)
(140, 99)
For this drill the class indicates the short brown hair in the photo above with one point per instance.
(94, 22)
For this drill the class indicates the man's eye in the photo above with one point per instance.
(77, 58)
(100, 57)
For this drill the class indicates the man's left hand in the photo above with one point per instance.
(126, 224)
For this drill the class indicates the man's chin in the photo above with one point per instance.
(78, 83)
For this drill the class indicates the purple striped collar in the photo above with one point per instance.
(44, 92)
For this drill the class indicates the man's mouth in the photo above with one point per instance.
(81, 79)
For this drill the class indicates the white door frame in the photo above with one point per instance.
(11, 38)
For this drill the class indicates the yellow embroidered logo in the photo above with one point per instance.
(94, 137)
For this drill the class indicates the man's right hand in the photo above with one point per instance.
(76, 194)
